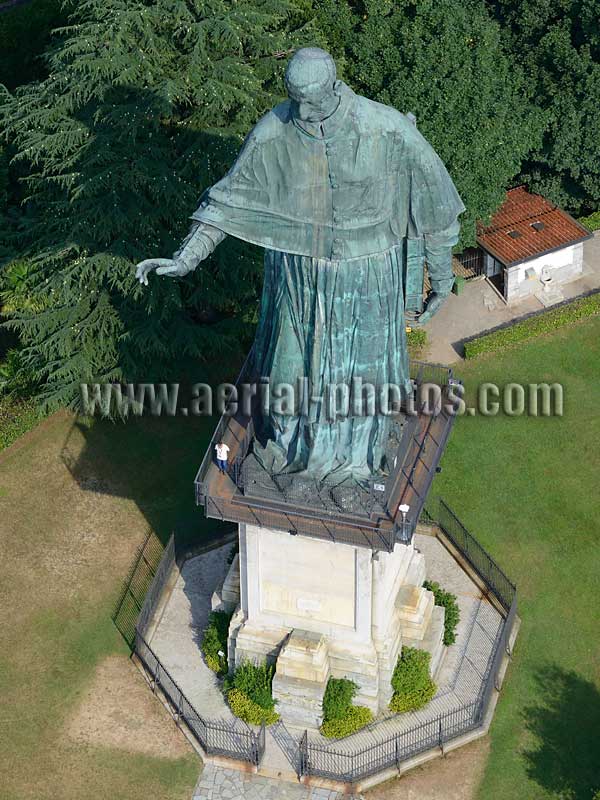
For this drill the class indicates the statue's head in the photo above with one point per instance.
(310, 80)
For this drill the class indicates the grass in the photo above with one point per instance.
(76, 498)
(528, 489)
(16, 418)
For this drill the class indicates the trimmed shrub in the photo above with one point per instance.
(413, 688)
(249, 693)
(340, 717)
(592, 223)
(338, 698)
(244, 708)
(452, 613)
(255, 682)
(356, 717)
(215, 641)
(534, 326)
(416, 339)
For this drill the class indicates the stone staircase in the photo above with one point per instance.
(421, 621)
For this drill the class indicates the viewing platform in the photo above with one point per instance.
(365, 514)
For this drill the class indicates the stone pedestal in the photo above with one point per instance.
(321, 609)
(301, 677)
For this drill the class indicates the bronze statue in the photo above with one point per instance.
(348, 199)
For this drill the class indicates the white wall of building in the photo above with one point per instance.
(523, 280)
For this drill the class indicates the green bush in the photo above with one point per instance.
(452, 613)
(416, 339)
(534, 326)
(340, 717)
(255, 682)
(338, 698)
(16, 377)
(249, 693)
(244, 708)
(356, 717)
(592, 222)
(215, 640)
(413, 688)
(16, 418)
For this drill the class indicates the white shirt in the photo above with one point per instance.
(222, 450)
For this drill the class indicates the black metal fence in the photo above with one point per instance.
(330, 761)
(469, 264)
(232, 739)
(135, 588)
(483, 564)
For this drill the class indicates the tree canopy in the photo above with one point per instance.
(144, 106)
(445, 61)
(558, 44)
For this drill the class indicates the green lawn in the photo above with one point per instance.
(529, 490)
(76, 499)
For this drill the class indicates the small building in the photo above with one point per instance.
(530, 245)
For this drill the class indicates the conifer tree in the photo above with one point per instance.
(145, 105)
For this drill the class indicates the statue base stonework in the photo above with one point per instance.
(320, 609)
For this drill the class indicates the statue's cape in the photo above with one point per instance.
(360, 183)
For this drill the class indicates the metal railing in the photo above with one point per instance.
(369, 517)
(423, 372)
(131, 600)
(159, 580)
(328, 762)
(483, 564)
(331, 762)
(232, 739)
(336, 529)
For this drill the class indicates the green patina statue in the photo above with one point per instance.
(349, 200)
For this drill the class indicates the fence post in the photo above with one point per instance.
(397, 755)
(303, 755)
(441, 738)
(156, 677)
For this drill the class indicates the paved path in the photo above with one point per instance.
(218, 783)
(465, 664)
(177, 637)
(479, 308)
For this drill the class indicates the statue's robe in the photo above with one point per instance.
(337, 206)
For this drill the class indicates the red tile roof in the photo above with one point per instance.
(518, 213)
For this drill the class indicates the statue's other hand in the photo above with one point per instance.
(434, 303)
(163, 266)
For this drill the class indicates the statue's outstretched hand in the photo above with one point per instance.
(163, 266)
(434, 303)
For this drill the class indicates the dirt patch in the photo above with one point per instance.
(118, 710)
(455, 777)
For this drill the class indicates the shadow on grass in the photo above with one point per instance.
(566, 760)
(151, 461)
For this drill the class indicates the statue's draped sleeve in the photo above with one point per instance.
(434, 207)
(291, 192)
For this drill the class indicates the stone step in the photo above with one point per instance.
(433, 641)
(415, 607)
(300, 702)
(415, 575)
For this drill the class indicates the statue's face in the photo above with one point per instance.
(313, 103)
